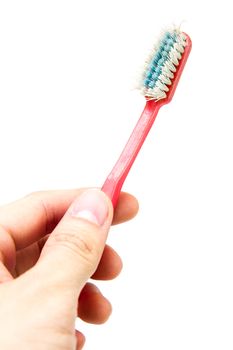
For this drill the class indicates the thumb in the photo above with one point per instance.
(73, 250)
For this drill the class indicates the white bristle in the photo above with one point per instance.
(171, 66)
(174, 56)
(165, 79)
(168, 68)
(166, 71)
(162, 86)
(179, 47)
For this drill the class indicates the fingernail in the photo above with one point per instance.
(91, 205)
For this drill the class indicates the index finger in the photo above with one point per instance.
(34, 216)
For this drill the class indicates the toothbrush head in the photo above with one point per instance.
(164, 66)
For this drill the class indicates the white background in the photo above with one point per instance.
(66, 110)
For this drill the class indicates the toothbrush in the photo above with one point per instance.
(158, 84)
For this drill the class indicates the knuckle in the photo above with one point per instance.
(80, 244)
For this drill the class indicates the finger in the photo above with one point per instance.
(5, 275)
(93, 307)
(30, 218)
(109, 266)
(78, 241)
(26, 258)
(80, 340)
(7, 249)
(126, 209)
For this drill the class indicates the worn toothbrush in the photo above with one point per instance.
(158, 84)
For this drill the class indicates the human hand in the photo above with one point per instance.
(51, 243)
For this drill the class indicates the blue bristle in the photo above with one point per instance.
(151, 84)
(167, 35)
(170, 42)
(161, 61)
(156, 75)
(146, 83)
(149, 74)
(164, 53)
(156, 58)
(154, 68)
(167, 47)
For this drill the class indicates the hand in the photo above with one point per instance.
(51, 243)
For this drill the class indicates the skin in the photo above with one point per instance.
(48, 253)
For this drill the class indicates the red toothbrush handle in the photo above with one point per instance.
(117, 176)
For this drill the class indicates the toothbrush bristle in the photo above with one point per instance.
(162, 64)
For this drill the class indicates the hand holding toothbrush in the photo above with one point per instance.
(51, 243)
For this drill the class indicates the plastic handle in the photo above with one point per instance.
(117, 176)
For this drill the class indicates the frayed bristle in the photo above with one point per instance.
(162, 64)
